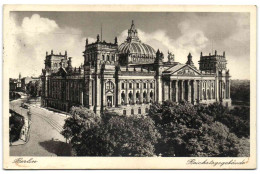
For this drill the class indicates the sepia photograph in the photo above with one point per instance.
(166, 84)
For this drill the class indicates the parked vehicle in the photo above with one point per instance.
(24, 105)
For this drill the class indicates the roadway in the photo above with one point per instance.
(45, 138)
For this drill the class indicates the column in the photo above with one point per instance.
(189, 90)
(148, 94)
(98, 89)
(103, 94)
(220, 90)
(91, 92)
(170, 91)
(194, 91)
(216, 89)
(228, 89)
(176, 91)
(206, 89)
(119, 93)
(210, 90)
(163, 90)
(126, 93)
(201, 84)
(81, 98)
(134, 93)
(158, 91)
(182, 90)
(46, 87)
(141, 92)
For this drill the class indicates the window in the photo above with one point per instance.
(124, 112)
(146, 110)
(132, 111)
(123, 86)
(137, 85)
(144, 85)
(109, 85)
(130, 85)
(139, 111)
(151, 85)
(103, 57)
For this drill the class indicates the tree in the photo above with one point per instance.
(237, 119)
(131, 136)
(80, 120)
(110, 135)
(187, 131)
(34, 88)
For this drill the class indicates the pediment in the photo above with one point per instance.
(183, 70)
(186, 71)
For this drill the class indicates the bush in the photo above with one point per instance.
(16, 123)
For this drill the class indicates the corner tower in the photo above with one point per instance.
(97, 55)
(212, 63)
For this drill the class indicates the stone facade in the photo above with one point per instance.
(127, 78)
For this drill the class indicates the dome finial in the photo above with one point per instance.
(132, 25)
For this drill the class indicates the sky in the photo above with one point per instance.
(34, 33)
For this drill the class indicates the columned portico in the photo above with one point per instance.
(196, 90)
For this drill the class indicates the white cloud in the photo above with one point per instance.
(34, 37)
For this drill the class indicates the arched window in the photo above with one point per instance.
(130, 95)
(151, 96)
(137, 97)
(103, 57)
(108, 58)
(122, 98)
(144, 97)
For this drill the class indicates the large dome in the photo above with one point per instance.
(134, 46)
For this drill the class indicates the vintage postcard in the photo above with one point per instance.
(129, 87)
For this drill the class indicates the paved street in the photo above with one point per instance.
(45, 138)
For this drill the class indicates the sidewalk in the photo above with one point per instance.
(22, 142)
